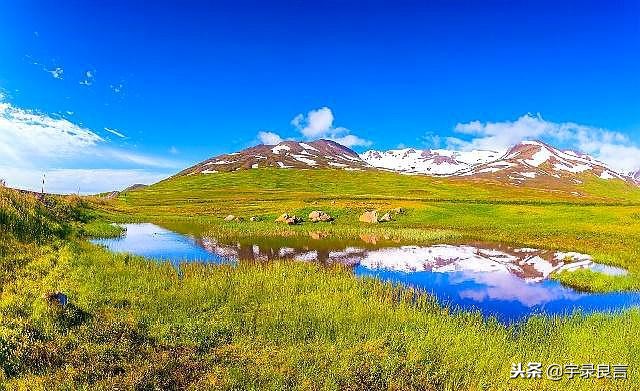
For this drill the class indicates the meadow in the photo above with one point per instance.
(603, 222)
(133, 323)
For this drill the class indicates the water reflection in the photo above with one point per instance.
(509, 283)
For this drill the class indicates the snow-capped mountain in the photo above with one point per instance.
(287, 154)
(428, 161)
(529, 162)
(536, 160)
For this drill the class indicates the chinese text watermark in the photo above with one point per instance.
(536, 370)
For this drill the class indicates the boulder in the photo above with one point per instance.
(293, 220)
(254, 218)
(283, 218)
(399, 211)
(318, 215)
(386, 217)
(289, 219)
(369, 217)
(230, 218)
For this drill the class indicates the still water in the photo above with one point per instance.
(508, 283)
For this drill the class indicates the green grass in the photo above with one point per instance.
(102, 229)
(132, 323)
(603, 223)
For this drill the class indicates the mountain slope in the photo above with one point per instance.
(428, 161)
(287, 154)
(536, 161)
(531, 163)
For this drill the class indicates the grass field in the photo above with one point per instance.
(604, 222)
(131, 323)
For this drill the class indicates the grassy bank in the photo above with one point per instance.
(604, 221)
(131, 323)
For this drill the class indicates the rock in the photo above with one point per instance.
(293, 220)
(399, 211)
(233, 218)
(288, 219)
(386, 217)
(318, 215)
(254, 218)
(369, 217)
(283, 218)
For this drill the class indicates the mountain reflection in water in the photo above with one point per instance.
(508, 283)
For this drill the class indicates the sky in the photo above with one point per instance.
(100, 95)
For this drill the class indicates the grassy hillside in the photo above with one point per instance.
(257, 189)
(604, 221)
(131, 323)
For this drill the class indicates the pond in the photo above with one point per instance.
(508, 283)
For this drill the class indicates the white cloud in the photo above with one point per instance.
(613, 148)
(57, 72)
(32, 143)
(25, 135)
(72, 180)
(319, 124)
(88, 78)
(125, 156)
(269, 138)
(116, 88)
(351, 140)
(115, 132)
(173, 150)
(316, 124)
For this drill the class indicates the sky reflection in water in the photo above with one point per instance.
(507, 283)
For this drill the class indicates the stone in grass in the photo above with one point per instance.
(232, 218)
(289, 219)
(294, 220)
(369, 217)
(386, 217)
(319, 216)
(283, 218)
(399, 211)
(254, 218)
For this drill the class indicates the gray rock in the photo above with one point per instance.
(318, 216)
(386, 217)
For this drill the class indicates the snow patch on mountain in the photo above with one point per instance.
(534, 159)
(428, 161)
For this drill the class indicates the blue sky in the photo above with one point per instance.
(131, 92)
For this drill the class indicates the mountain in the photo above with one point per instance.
(529, 162)
(428, 161)
(535, 160)
(635, 176)
(287, 154)
(137, 186)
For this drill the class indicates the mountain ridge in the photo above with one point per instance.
(287, 154)
(526, 162)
